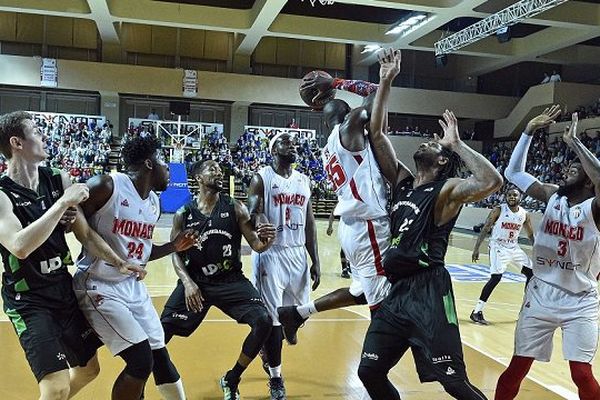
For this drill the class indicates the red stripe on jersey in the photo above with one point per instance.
(375, 247)
(354, 190)
(358, 158)
(375, 307)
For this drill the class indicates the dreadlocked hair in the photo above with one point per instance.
(137, 150)
(452, 167)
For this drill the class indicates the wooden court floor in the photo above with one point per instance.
(323, 365)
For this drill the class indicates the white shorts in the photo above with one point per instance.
(282, 277)
(364, 243)
(547, 307)
(121, 313)
(501, 257)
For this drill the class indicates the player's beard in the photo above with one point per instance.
(289, 158)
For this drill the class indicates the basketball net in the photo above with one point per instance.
(322, 2)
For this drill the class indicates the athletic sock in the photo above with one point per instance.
(479, 306)
(172, 391)
(275, 372)
(306, 310)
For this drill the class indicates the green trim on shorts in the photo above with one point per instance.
(14, 263)
(55, 171)
(16, 320)
(450, 310)
(21, 286)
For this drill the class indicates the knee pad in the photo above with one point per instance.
(138, 360)
(368, 375)
(164, 371)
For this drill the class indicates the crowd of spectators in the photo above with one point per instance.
(585, 111)
(81, 149)
(251, 153)
(548, 160)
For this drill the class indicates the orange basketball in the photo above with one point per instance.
(308, 95)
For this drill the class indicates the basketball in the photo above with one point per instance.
(308, 95)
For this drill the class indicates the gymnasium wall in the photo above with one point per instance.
(111, 79)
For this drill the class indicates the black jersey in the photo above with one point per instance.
(417, 243)
(216, 255)
(47, 265)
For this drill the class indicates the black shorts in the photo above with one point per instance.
(52, 330)
(419, 314)
(238, 299)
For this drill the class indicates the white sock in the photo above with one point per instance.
(479, 306)
(306, 310)
(275, 372)
(172, 391)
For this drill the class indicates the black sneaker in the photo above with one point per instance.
(230, 389)
(277, 389)
(265, 362)
(291, 321)
(477, 317)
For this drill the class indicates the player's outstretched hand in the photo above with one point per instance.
(389, 64)
(185, 239)
(570, 133)
(315, 275)
(317, 81)
(475, 256)
(75, 194)
(193, 297)
(451, 137)
(127, 268)
(543, 120)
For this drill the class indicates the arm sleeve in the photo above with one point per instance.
(362, 88)
(515, 171)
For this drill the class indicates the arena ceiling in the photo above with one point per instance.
(567, 34)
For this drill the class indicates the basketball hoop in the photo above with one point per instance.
(322, 2)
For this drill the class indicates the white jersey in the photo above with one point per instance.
(567, 248)
(356, 179)
(126, 223)
(507, 228)
(285, 205)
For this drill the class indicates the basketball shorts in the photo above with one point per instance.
(364, 242)
(52, 330)
(419, 314)
(282, 277)
(238, 299)
(546, 308)
(501, 257)
(121, 313)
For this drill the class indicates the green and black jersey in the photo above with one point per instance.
(216, 255)
(47, 265)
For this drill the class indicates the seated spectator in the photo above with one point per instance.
(153, 115)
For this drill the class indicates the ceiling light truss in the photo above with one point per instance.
(506, 17)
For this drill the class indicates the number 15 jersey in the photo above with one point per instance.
(356, 179)
(126, 223)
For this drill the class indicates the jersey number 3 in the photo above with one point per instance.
(563, 247)
(335, 173)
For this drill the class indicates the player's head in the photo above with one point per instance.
(432, 155)
(335, 111)
(208, 174)
(575, 181)
(513, 197)
(283, 148)
(144, 155)
(19, 134)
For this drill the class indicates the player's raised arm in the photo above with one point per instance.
(485, 179)
(515, 171)
(324, 84)
(487, 227)
(589, 162)
(393, 170)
